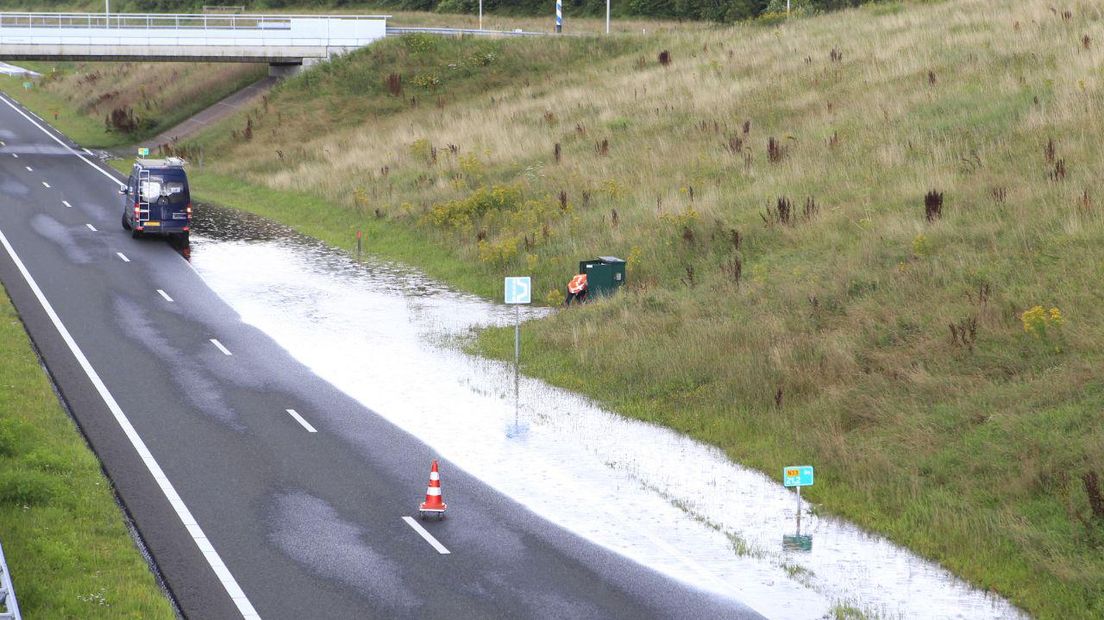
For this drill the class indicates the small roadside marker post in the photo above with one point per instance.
(559, 16)
(519, 290)
(359, 235)
(798, 476)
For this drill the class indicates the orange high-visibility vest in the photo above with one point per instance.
(577, 284)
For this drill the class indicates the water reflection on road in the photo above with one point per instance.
(387, 336)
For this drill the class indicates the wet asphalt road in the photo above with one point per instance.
(309, 525)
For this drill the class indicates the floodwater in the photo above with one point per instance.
(389, 336)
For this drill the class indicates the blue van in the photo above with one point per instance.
(156, 199)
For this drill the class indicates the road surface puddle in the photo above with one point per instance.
(387, 336)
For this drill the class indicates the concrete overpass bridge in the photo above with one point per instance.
(285, 42)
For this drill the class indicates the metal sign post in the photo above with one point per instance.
(481, 14)
(798, 476)
(559, 16)
(518, 291)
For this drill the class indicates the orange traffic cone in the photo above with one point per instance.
(433, 503)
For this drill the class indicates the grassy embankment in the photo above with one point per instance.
(67, 547)
(77, 98)
(896, 351)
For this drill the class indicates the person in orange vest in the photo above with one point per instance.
(576, 289)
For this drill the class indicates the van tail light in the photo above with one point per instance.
(189, 211)
(137, 211)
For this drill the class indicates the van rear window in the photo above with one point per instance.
(157, 187)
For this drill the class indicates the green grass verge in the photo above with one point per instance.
(69, 552)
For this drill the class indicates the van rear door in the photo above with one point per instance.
(167, 194)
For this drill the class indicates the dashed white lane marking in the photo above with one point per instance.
(299, 419)
(164, 294)
(29, 169)
(87, 152)
(214, 560)
(426, 535)
(194, 530)
(64, 145)
(66, 203)
(91, 227)
(220, 347)
(122, 256)
(46, 185)
(15, 155)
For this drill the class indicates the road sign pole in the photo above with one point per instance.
(517, 359)
(799, 511)
(559, 16)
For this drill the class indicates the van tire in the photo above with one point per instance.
(126, 224)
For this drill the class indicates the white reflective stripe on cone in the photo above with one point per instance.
(433, 491)
(434, 475)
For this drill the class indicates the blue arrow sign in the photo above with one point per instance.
(797, 476)
(519, 291)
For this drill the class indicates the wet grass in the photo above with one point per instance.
(926, 333)
(69, 552)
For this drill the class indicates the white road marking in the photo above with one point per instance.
(426, 535)
(91, 227)
(299, 419)
(15, 155)
(29, 169)
(122, 256)
(185, 515)
(87, 152)
(165, 295)
(58, 140)
(66, 203)
(46, 185)
(220, 347)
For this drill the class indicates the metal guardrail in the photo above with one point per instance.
(7, 592)
(398, 31)
(153, 21)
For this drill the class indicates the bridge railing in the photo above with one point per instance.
(148, 21)
(160, 29)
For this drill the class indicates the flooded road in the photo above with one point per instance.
(389, 337)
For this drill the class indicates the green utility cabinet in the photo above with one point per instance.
(605, 275)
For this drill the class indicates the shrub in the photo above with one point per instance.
(457, 213)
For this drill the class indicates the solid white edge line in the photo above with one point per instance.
(209, 553)
(122, 256)
(91, 227)
(298, 418)
(220, 347)
(165, 295)
(58, 140)
(66, 203)
(426, 535)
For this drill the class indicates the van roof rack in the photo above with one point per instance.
(167, 162)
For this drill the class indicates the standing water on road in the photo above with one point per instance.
(387, 336)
